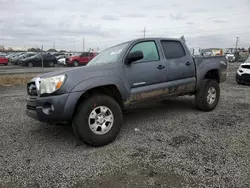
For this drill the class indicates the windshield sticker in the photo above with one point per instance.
(116, 52)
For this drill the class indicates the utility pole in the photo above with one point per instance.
(236, 45)
(74, 46)
(83, 44)
(54, 46)
(42, 58)
(144, 31)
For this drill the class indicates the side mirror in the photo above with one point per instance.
(133, 56)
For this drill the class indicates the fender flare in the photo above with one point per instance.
(102, 80)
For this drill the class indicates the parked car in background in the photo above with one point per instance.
(3, 60)
(56, 53)
(16, 60)
(230, 57)
(61, 56)
(81, 59)
(243, 72)
(48, 60)
(15, 55)
(93, 97)
(62, 61)
(9, 55)
(2, 54)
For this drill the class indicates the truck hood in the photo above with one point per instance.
(79, 74)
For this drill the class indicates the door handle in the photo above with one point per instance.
(160, 67)
(188, 63)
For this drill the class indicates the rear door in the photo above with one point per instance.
(84, 58)
(146, 75)
(179, 62)
(47, 58)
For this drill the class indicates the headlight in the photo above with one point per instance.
(51, 84)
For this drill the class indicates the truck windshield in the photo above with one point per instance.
(109, 55)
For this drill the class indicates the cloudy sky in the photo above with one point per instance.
(65, 23)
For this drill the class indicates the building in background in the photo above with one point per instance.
(212, 52)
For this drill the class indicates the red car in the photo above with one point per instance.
(82, 59)
(3, 60)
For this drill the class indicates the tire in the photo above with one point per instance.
(207, 97)
(83, 121)
(238, 82)
(5, 64)
(51, 64)
(75, 63)
(30, 64)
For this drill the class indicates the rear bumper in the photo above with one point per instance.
(243, 78)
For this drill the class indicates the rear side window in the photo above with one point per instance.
(149, 50)
(173, 49)
(85, 54)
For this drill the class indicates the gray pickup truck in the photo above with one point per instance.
(93, 97)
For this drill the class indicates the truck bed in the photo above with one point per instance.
(218, 62)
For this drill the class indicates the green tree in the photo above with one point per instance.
(34, 50)
(249, 49)
(52, 50)
(62, 51)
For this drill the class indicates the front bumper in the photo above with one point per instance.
(52, 108)
(46, 109)
(243, 78)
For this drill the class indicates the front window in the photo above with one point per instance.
(149, 50)
(109, 55)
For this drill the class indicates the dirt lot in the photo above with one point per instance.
(167, 144)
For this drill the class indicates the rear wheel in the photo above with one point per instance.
(207, 97)
(98, 120)
(30, 64)
(75, 63)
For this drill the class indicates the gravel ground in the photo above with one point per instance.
(167, 144)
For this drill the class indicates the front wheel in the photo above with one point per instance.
(98, 120)
(30, 64)
(75, 63)
(207, 97)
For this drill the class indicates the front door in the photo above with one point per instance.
(84, 58)
(144, 75)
